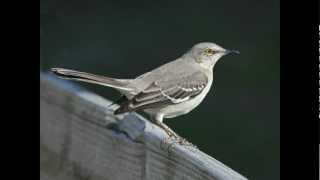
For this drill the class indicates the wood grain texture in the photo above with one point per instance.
(80, 139)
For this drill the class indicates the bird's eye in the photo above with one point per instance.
(208, 51)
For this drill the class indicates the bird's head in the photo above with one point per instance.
(207, 53)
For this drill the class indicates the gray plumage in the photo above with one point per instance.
(168, 91)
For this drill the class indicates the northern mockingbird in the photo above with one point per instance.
(170, 90)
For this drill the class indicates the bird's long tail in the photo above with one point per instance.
(120, 84)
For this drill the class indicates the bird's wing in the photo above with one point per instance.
(165, 92)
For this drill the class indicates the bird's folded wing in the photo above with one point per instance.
(168, 91)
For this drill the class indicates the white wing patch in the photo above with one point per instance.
(200, 87)
(174, 100)
(179, 100)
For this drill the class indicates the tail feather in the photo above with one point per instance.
(123, 108)
(120, 84)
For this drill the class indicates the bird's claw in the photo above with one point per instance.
(172, 139)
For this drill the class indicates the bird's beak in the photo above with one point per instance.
(228, 51)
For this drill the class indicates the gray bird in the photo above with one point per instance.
(170, 90)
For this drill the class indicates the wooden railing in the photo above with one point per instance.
(81, 139)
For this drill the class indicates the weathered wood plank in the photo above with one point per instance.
(81, 139)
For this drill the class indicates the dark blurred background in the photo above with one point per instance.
(238, 123)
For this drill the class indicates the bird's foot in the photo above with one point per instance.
(173, 137)
(176, 139)
(184, 142)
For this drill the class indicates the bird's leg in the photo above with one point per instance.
(158, 121)
(173, 137)
(171, 133)
(166, 128)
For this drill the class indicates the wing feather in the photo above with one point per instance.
(166, 92)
